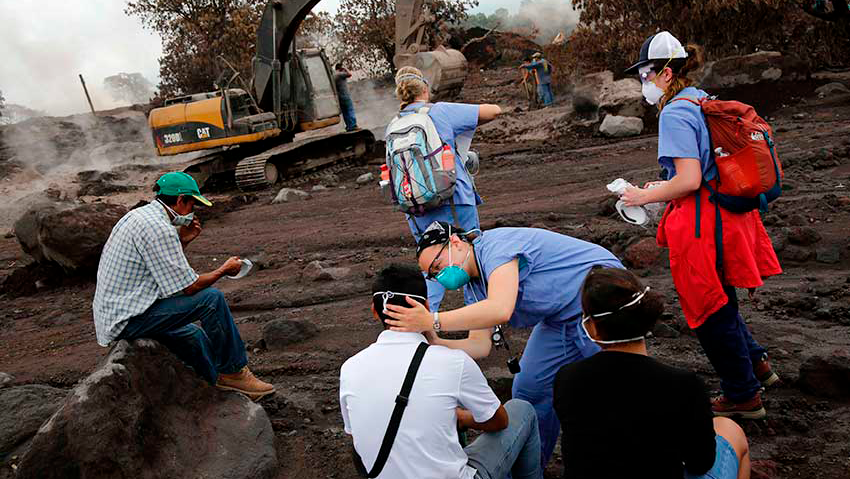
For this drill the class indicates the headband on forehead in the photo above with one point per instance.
(386, 295)
(411, 76)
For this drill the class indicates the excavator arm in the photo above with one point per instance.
(445, 69)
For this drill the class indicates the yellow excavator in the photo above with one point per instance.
(251, 134)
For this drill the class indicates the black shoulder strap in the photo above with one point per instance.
(395, 420)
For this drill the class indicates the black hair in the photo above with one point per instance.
(338, 65)
(169, 200)
(606, 290)
(397, 278)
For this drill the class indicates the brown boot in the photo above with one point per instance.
(752, 409)
(246, 383)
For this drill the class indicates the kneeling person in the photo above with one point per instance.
(146, 289)
(448, 391)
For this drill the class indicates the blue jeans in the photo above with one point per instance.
(467, 216)
(514, 450)
(725, 462)
(347, 108)
(549, 347)
(731, 350)
(544, 92)
(213, 348)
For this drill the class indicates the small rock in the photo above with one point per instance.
(6, 379)
(365, 178)
(764, 469)
(827, 375)
(319, 187)
(643, 253)
(664, 330)
(316, 271)
(9, 234)
(287, 194)
(803, 235)
(621, 126)
(330, 180)
(260, 260)
(834, 88)
(828, 255)
(799, 116)
(284, 332)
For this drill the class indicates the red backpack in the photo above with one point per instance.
(749, 173)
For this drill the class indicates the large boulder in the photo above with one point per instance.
(588, 90)
(623, 98)
(621, 126)
(750, 69)
(643, 253)
(72, 237)
(144, 414)
(26, 408)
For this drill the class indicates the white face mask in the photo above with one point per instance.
(651, 92)
(179, 220)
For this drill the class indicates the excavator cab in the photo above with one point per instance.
(310, 102)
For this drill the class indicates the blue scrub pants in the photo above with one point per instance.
(549, 347)
(467, 216)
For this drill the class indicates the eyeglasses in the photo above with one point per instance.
(431, 274)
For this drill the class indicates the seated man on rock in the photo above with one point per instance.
(410, 431)
(146, 289)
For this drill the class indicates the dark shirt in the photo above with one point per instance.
(341, 79)
(627, 415)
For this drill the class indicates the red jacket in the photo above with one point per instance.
(748, 254)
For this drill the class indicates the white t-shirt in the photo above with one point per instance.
(426, 446)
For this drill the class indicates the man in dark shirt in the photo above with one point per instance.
(624, 414)
(345, 104)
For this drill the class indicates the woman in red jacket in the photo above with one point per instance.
(707, 296)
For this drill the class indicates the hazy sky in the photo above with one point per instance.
(45, 44)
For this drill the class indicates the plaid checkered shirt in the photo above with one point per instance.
(142, 262)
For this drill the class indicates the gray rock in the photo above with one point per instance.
(290, 194)
(585, 100)
(621, 126)
(797, 253)
(283, 332)
(25, 408)
(365, 178)
(664, 330)
(71, 237)
(316, 271)
(834, 88)
(828, 255)
(759, 67)
(143, 410)
(827, 375)
(319, 188)
(6, 379)
(803, 235)
(623, 98)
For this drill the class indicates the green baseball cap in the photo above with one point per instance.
(178, 183)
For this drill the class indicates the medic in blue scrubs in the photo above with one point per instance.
(456, 124)
(526, 277)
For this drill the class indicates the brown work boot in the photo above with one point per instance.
(246, 383)
(763, 372)
(752, 409)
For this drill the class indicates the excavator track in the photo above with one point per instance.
(303, 160)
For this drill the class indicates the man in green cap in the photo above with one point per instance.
(146, 289)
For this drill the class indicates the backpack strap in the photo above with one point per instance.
(395, 420)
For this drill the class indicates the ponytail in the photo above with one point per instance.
(681, 67)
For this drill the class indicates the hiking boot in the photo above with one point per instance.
(764, 373)
(752, 409)
(246, 383)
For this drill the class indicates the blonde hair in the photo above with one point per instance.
(680, 81)
(409, 88)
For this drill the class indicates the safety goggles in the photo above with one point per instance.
(431, 274)
(645, 71)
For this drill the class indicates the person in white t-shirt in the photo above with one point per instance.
(449, 392)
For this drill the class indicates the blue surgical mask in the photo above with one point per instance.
(179, 220)
(454, 276)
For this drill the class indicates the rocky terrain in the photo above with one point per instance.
(305, 310)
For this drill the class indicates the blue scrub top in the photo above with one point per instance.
(683, 133)
(552, 268)
(451, 121)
